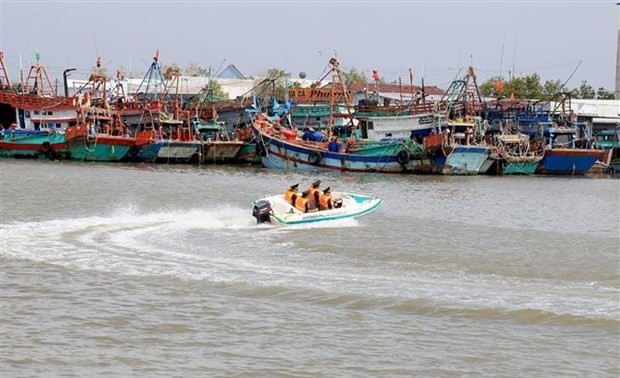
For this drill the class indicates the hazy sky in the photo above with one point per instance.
(434, 38)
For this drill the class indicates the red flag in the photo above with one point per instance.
(498, 86)
(156, 57)
(512, 96)
(375, 75)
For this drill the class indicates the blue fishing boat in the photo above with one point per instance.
(280, 148)
(562, 153)
(174, 142)
(465, 160)
(285, 148)
(458, 153)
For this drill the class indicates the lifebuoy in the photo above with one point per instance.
(260, 149)
(314, 158)
(134, 151)
(46, 146)
(403, 157)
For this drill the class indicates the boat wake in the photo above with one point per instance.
(225, 246)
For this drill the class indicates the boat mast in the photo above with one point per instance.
(42, 85)
(5, 82)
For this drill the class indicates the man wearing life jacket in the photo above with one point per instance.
(315, 193)
(291, 194)
(301, 203)
(325, 201)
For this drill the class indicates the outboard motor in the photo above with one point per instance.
(261, 211)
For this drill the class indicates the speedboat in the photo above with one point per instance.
(278, 211)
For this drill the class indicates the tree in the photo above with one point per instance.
(168, 70)
(522, 87)
(586, 90)
(214, 91)
(489, 87)
(550, 88)
(195, 70)
(604, 94)
(275, 84)
(353, 76)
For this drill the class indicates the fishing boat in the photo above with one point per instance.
(278, 211)
(514, 154)
(18, 143)
(174, 141)
(217, 146)
(34, 105)
(563, 154)
(459, 152)
(608, 140)
(462, 150)
(284, 148)
(100, 134)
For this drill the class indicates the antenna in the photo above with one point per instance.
(96, 47)
(514, 55)
(501, 59)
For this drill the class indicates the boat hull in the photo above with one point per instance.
(220, 151)
(279, 154)
(33, 146)
(169, 151)
(568, 161)
(247, 154)
(520, 168)
(466, 160)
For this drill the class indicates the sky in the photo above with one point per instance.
(570, 41)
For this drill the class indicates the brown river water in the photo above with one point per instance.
(125, 270)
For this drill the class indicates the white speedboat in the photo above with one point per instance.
(277, 210)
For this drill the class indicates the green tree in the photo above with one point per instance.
(214, 91)
(586, 90)
(274, 84)
(353, 76)
(604, 94)
(550, 88)
(522, 87)
(169, 69)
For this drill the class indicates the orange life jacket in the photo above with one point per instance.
(325, 202)
(301, 203)
(288, 195)
(314, 193)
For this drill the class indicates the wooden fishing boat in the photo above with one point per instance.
(284, 148)
(217, 146)
(36, 106)
(462, 150)
(281, 148)
(17, 143)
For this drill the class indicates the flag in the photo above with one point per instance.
(512, 96)
(498, 86)
(375, 75)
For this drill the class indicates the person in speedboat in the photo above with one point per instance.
(291, 194)
(302, 203)
(315, 193)
(325, 200)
